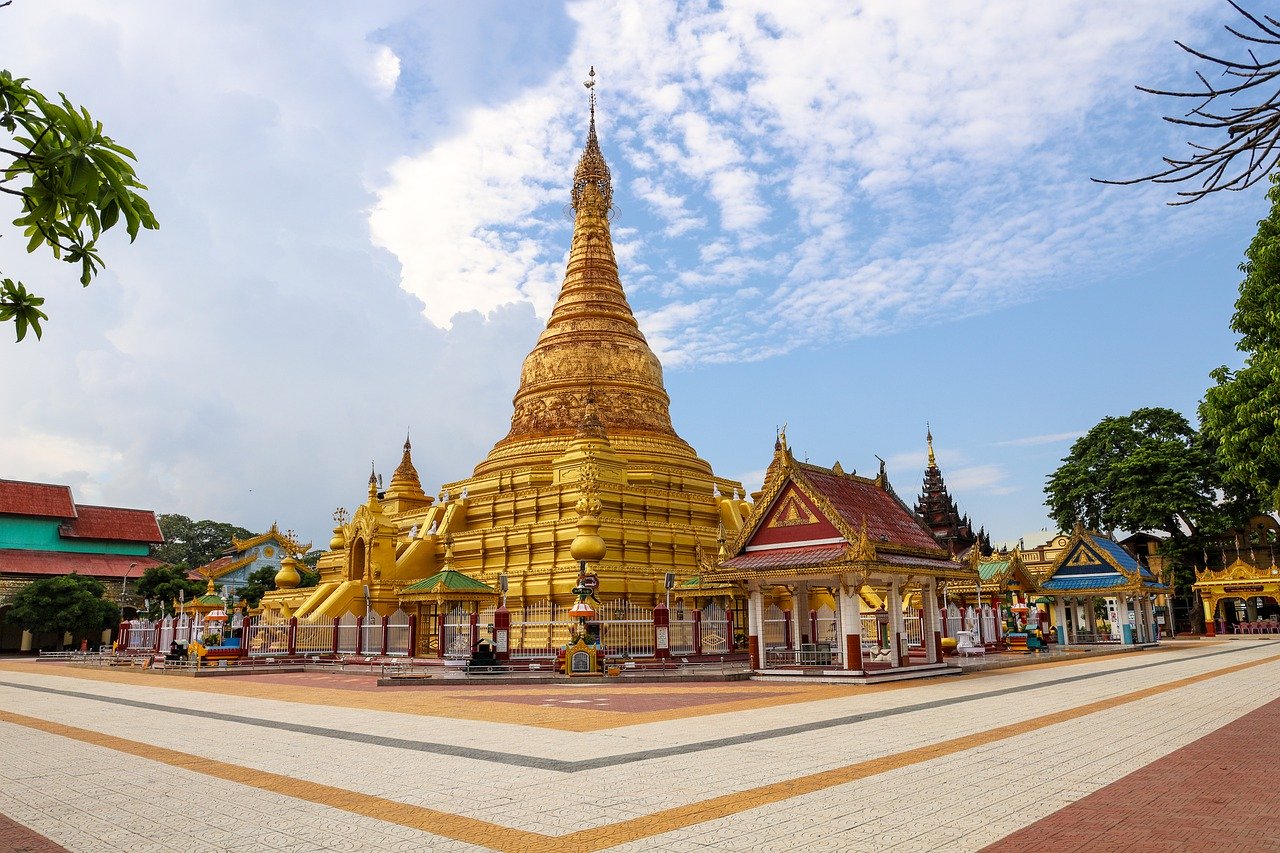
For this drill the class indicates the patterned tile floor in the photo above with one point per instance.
(107, 760)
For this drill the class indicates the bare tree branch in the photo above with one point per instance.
(1250, 150)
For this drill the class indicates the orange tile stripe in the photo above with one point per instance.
(473, 831)
(470, 702)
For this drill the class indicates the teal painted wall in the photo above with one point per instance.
(41, 534)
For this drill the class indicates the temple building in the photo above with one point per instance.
(1241, 594)
(246, 556)
(941, 514)
(45, 533)
(590, 442)
(830, 563)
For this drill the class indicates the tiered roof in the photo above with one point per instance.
(1092, 563)
(45, 500)
(812, 519)
(940, 513)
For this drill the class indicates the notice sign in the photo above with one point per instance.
(1243, 588)
(663, 639)
(580, 662)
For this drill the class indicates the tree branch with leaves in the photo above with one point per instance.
(72, 183)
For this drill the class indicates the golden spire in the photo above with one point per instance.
(404, 481)
(591, 347)
(928, 436)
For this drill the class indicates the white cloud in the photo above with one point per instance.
(914, 163)
(386, 69)
(1036, 440)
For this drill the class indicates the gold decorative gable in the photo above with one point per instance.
(1084, 557)
(792, 513)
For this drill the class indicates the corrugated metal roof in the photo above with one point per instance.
(110, 522)
(38, 499)
(774, 558)
(448, 581)
(857, 499)
(15, 561)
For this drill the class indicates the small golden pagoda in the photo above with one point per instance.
(591, 434)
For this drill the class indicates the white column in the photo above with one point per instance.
(800, 613)
(895, 623)
(1060, 619)
(929, 619)
(851, 626)
(755, 619)
(1122, 614)
(28, 640)
(1091, 615)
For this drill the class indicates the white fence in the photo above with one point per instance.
(912, 628)
(266, 637)
(456, 633)
(774, 627)
(539, 630)
(626, 629)
(716, 639)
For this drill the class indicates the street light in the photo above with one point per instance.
(124, 580)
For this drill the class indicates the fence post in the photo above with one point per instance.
(813, 626)
(661, 632)
(440, 635)
(123, 643)
(502, 632)
(474, 619)
(293, 635)
(697, 632)
(336, 623)
(728, 623)
(413, 635)
(786, 629)
(385, 629)
(359, 635)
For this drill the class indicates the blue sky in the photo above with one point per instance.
(850, 219)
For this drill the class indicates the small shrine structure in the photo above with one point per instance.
(816, 548)
(1093, 568)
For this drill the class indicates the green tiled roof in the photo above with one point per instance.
(987, 571)
(448, 581)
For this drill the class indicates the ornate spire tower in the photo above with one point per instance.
(940, 513)
(591, 341)
(590, 470)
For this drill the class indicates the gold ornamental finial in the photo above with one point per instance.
(592, 182)
(928, 437)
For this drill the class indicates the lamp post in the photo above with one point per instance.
(124, 580)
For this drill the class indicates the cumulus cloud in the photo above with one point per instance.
(856, 170)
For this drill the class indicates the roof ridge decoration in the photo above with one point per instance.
(287, 539)
(863, 550)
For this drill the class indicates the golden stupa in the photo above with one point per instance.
(591, 470)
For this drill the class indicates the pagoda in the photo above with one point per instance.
(591, 445)
(941, 514)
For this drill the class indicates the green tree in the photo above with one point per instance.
(163, 584)
(71, 604)
(189, 544)
(73, 182)
(1148, 470)
(259, 583)
(1240, 414)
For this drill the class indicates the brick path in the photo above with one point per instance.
(109, 761)
(16, 838)
(1217, 793)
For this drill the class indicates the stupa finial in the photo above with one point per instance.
(928, 437)
(592, 182)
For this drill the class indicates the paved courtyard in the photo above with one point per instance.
(1169, 749)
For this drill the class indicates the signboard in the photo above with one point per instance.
(591, 582)
(1244, 588)
(580, 662)
(501, 637)
(663, 638)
